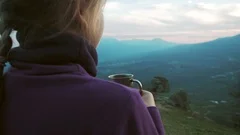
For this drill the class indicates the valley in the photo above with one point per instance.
(207, 71)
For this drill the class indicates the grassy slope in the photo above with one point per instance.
(178, 122)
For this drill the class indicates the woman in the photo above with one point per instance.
(51, 88)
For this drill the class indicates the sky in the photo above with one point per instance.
(181, 21)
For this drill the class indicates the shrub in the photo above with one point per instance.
(180, 99)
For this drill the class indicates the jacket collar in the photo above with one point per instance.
(64, 49)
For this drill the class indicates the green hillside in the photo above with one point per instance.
(178, 122)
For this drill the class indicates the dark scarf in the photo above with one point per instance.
(65, 48)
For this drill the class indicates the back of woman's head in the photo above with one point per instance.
(35, 19)
(31, 17)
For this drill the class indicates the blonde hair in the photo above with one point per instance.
(30, 17)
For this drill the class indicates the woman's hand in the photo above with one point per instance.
(148, 98)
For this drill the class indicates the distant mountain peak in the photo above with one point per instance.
(238, 36)
(226, 38)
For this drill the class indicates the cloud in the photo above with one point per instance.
(125, 19)
(236, 11)
(112, 5)
(203, 17)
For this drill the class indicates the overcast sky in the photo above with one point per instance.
(181, 21)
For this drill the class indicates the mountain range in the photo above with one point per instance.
(113, 49)
(191, 66)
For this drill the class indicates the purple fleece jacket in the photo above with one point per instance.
(51, 89)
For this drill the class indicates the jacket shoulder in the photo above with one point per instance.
(112, 88)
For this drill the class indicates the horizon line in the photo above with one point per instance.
(159, 38)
